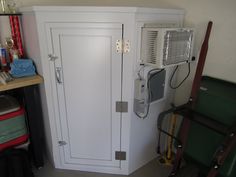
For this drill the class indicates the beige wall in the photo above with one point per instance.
(221, 58)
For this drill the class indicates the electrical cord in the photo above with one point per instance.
(171, 78)
(149, 76)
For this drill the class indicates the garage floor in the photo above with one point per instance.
(152, 169)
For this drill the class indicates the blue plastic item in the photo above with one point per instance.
(22, 67)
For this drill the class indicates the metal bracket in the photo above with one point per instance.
(62, 143)
(122, 46)
(121, 106)
(52, 57)
(120, 155)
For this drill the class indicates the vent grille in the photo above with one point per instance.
(177, 46)
(151, 47)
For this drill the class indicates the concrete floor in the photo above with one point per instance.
(152, 169)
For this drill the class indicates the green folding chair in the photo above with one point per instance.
(210, 145)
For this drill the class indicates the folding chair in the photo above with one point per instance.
(207, 136)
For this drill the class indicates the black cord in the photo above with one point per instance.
(171, 78)
(148, 90)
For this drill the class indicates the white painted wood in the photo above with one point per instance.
(143, 133)
(137, 137)
(96, 9)
(91, 84)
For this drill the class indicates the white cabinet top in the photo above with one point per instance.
(101, 9)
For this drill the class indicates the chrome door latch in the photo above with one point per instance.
(58, 75)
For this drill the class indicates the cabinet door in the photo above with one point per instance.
(87, 77)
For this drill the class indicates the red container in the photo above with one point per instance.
(13, 129)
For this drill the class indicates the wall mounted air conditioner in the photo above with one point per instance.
(162, 47)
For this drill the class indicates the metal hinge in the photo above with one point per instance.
(62, 143)
(122, 46)
(121, 106)
(120, 155)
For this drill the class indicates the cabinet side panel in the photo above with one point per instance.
(32, 48)
(143, 132)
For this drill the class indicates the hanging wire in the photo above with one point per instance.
(174, 72)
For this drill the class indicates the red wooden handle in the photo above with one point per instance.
(201, 63)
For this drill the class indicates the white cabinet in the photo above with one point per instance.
(75, 49)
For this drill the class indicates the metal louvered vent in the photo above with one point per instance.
(151, 46)
(177, 46)
(162, 47)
